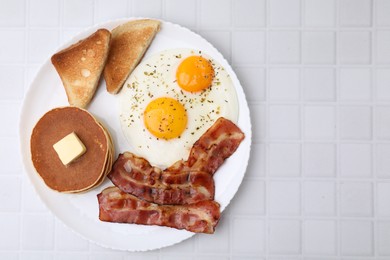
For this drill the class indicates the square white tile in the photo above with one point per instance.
(249, 13)
(356, 238)
(284, 160)
(12, 13)
(35, 51)
(354, 47)
(355, 122)
(320, 237)
(284, 122)
(319, 122)
(284, 236)
(42, 224)
(355, 84)
(319, 160)
(251, 199)
(284, 84)
(319, 198)
(48, 19)
(182, 13)
(284, 47)
(248, 47)
(284, 198)
(319, 13)
(208, 16)
(356, 199)
(284, 13)
(12, 49)
(355, 12)
(77, 13)
(355, 160)
(253, 230)
(318, 47)
(319, 84)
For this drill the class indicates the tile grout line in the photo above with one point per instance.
(373, 70)
(337, 132)
(302, 132)
(25, 88)
(266, 149)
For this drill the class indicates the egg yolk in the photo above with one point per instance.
(195, 73)
(165, 118)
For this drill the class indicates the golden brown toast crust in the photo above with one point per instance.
(80, 66)
(128, 45)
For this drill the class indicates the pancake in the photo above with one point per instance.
(83, 173)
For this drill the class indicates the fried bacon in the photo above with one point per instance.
(185, 182)
(217, 144)
(118, 206)
(135, 175)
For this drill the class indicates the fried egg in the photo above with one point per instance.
(170, 100)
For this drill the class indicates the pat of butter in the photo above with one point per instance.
(69, 148)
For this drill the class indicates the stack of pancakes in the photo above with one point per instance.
(87, 171)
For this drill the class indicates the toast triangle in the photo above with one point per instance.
(128, 45)
(81, 65)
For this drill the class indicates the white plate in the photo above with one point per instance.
(80, 211)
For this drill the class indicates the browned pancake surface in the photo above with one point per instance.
(81, 173)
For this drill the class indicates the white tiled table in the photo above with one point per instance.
(317, 78)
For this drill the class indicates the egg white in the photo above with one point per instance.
(155, 77)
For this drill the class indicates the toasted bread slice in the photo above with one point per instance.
(81, 65)
(128, 45)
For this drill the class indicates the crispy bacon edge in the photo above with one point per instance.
(120, 207)
(185, 182)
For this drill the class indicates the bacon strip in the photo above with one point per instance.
(217, 144)
(136, 176)
(185, 182)
(118, 206)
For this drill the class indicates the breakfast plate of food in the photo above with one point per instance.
(136, 134)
